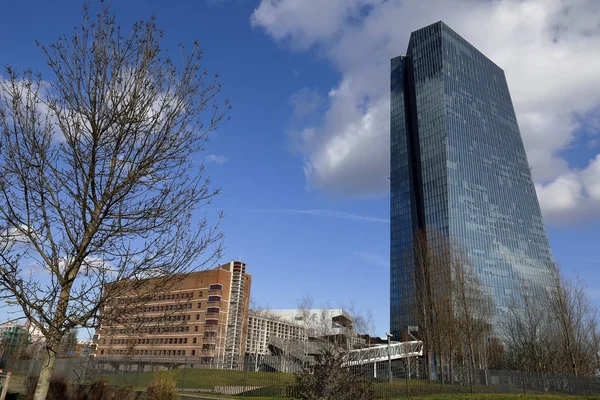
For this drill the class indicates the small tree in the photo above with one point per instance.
(163, 387)
(432, 305)
(98, 181)
(575, 321)
(450, 306)
(552, 330)
(473, 309)
(363, 323)
(329, 379)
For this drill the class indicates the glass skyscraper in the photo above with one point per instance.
(459, 169)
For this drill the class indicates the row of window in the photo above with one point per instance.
(207, 335)
(126, 352)
(170, 296)
(188, 295)
(174, 296)
(184, 306)
(157, 353)
(170, 318)
(151, 341)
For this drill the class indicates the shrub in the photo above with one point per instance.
(98, 390)
(163, 387)
(331, 380)
(59, 388)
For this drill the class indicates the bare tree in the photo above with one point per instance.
(574, 317)
(527, 332)
(363, 323)
(432, 306)
(552, 330)
(98, 181)
(262, 310)
(473, 308)
(424, 270)
(304, 312)
(452, 309)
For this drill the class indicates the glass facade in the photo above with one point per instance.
(459, 168)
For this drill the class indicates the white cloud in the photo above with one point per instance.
(574, 194)
(339, 214)
(373, 259)
(304, 22)
(219, 159)
(325, 213)
(305, 102)
(548, 49)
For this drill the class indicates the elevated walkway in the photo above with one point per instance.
(379, 353)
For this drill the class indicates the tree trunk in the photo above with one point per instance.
(48, 361)
(472, 362)
(451, 366)
(428, 362)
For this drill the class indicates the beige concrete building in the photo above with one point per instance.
(262, 326)
(298, 325)
(204, 315)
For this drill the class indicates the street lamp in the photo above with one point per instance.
(389, 337)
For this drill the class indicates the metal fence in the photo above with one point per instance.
(275, 377)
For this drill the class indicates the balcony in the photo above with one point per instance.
(215, 287)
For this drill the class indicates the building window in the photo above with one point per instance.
(199, 305)
(210, 334)
(194, 340)
(211, 322)
(212, 310)
(215, 286)
(197, 316)
(209, 346)
(214, 298)
(193, 352)
(196, 328)
(200, 293)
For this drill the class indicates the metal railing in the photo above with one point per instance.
(271, 376)
(379, 353)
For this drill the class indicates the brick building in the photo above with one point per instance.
(204, 314)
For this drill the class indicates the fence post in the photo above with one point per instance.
(406, 373)
(183, 378)
(389, 336)
(5, 385)
(245, 380)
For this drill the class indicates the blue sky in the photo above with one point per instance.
(302, 163)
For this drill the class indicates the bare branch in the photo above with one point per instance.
(98, 178)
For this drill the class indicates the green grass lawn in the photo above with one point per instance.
(203, 378)
(495, 396)
(263, 385)
(463, 397)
